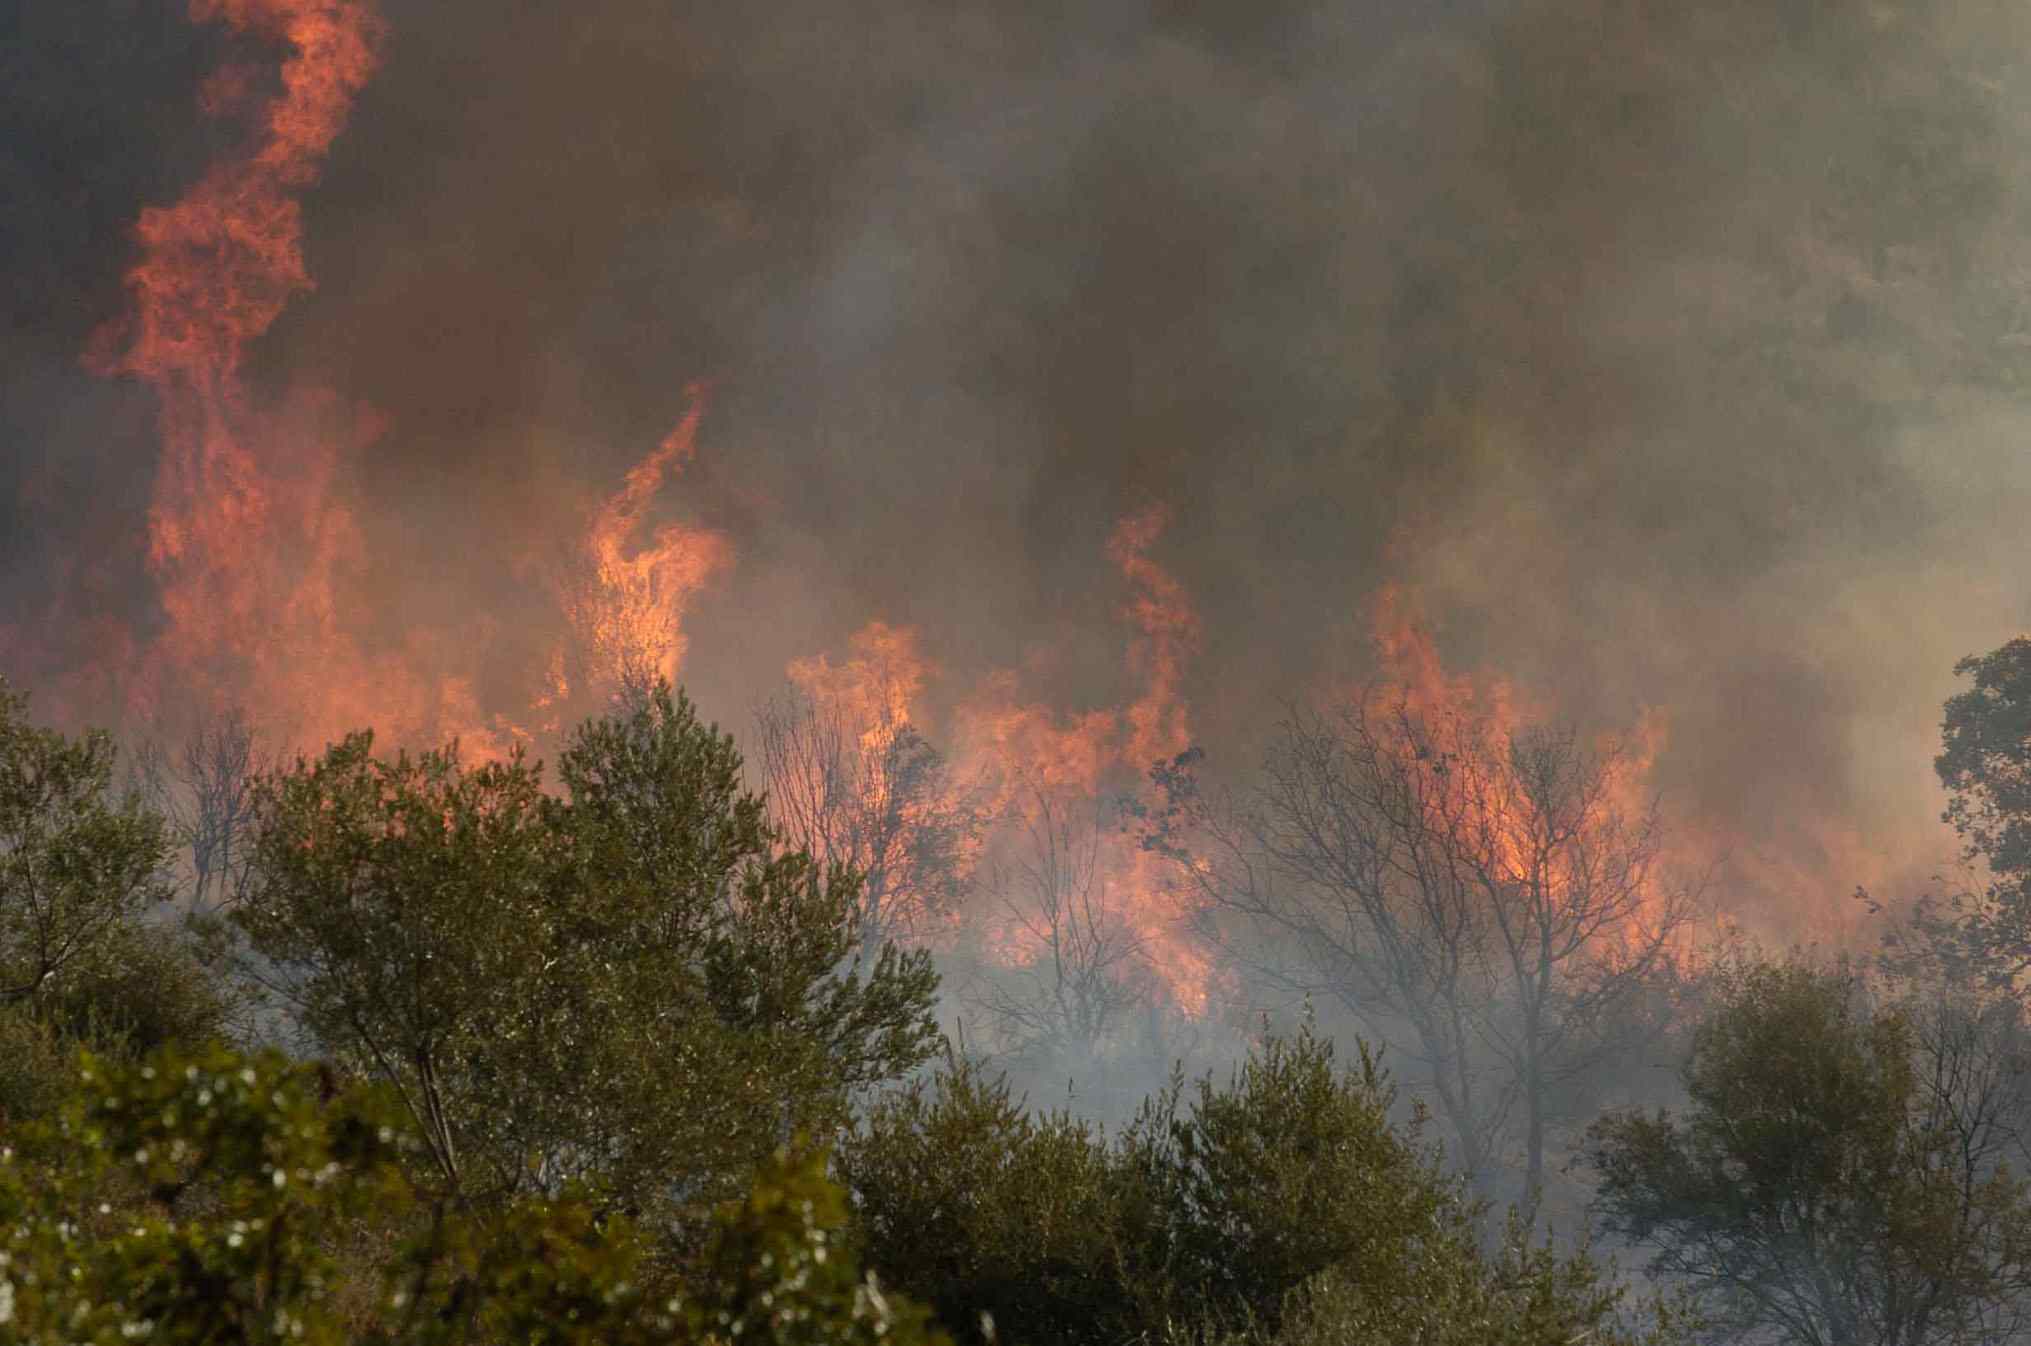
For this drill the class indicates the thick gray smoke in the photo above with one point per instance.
(1671, 353)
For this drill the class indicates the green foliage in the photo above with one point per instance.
(37, 1066)
(779, 1271)
(93, 1251)
(76, 864)
(976, 1206)
(1280, 1206)
(1837, 1175)
(79, 961)
(137, 989)
(142, 987)
(633, 985)
(1524, 1294)
(1985, 765)
(1290, 1170)
(199, 1199)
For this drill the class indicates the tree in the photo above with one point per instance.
(77, 866)
(81, 872)
(875, 797)
(1985, 765)
(1487, 902)
(975, 1206)
(1838, 1175)
(1291, 1170)
(633, 985)
(1086, 973)
(206, 793)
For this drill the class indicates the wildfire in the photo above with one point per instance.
(258, 551)
(1158, 723)
(1534, 826)
(875, 692)
(629, 609)
(1022, 766)
(1040, 760)
(246, 531)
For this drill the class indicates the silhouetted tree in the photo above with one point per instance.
(1985, 765)
(876, 798)
(1083, 973)
(1487, 903)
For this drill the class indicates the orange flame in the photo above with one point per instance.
(1459, 731)
(853, 789)
(251, 538)
(1014, 757)
(876, 691)
(1158, 723)
(630, 617)
(245, 533)
(1026, 750)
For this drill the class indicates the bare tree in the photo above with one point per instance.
(221, 762)
(876, 798)
(1084, 975)
(1974, 1098)
(205, 792)
(1485, 902)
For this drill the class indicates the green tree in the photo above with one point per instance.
(1985, 765)
(632, 985)
(976, 1206)
(140, 988)
(77, 864)
(82, 868)
(1838, 1175)
(1291, 1170)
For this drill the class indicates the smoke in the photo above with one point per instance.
(1668, 356)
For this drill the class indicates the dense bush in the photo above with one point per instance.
(209, 1198)
(1280, 1205)
(630, 982)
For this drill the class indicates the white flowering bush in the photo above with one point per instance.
(203, 1199)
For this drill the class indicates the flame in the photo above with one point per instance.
(1158, 723)
(1016, 759)
(255, 546)
(878, 804)
(876, 691)
(246, 530)
(629, 616)
(1458, 731)
(1037, 758)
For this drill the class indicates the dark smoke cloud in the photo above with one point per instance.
(1671, 353)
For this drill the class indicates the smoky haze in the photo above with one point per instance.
(1668, 355)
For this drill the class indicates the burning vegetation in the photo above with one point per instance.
(1229, 573)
